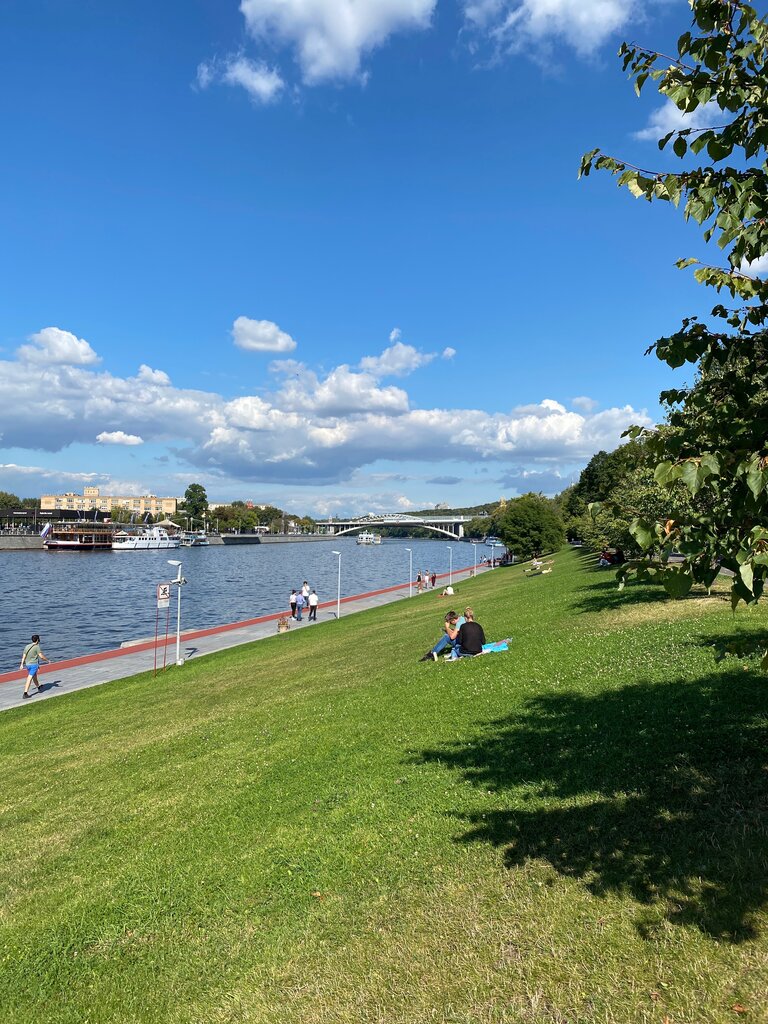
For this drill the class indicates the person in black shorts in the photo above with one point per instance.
(471, 637)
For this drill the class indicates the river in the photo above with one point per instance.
(83, 602)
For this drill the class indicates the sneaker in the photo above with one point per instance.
(433, 655)
(25, 695)
(427, 656)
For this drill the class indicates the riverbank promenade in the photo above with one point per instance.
(63, 677)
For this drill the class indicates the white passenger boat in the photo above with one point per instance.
(194, 539)
(366, 537)
(148, 538)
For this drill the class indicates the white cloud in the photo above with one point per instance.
(757, 268)
(584, 403)
(311, 429)
(448, 352)
(52, 345)
(330, 37)
(261, 336)
(118, 437)
(262, 83)
(514, 25)
(669, 118)
(396, 361)
(395, 334)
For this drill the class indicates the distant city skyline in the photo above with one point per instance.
(334, 264)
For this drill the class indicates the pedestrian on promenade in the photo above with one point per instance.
(305, 593)
(292, 599)
(433, 577)
(418, 583)
(30, 660)
(314, 601)
(299, 605)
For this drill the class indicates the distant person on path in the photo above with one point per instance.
(471, 637)
(292, 599)
(30, 660)
(433, 579)
(305, 593)
(314, 601)
(299, 606)
(418, 583)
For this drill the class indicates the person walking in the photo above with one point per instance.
(30, 660)
(305, 593)
(433, 578)
(292, 599)
(299, 605)
(314, 601)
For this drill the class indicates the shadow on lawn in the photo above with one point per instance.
(657, 791)
(597, 596)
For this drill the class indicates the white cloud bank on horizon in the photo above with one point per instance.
(311, 429)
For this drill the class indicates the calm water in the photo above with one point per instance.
(81, 602)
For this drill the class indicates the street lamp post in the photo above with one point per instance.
(450, 565)
(474, 549)
(410, 571)
(338, 588)
(178, 582)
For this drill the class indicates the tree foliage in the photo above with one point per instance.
(8, 500)
(530, 525)
(716, 444)
(195, 503)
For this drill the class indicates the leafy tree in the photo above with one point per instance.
(530, 525)
(195, 502)
(717, 441)
(8, 500)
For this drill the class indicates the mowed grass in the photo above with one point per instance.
(319, 828)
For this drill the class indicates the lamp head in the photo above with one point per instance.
(172, 561)
(335, 552)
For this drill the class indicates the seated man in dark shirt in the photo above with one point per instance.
(471, 636)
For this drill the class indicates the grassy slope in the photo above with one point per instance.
(318, 828)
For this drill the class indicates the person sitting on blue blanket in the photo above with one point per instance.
(451, 626)
(471, 637)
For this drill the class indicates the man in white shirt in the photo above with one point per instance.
(313, 601)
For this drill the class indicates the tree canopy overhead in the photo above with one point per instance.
(717, 433)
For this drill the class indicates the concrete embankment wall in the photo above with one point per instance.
(21, 543)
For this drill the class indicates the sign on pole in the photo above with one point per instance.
(163, 595)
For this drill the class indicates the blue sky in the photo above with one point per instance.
(330, 254)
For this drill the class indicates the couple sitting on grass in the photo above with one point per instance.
(462, 635)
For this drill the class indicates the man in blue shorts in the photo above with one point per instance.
(30, 660)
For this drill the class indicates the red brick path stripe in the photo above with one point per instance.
(120, 652)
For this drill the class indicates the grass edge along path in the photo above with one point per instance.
(330, 831)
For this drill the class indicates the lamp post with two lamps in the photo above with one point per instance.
(178, 582)
(410, 571)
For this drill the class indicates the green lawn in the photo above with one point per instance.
(318, 828)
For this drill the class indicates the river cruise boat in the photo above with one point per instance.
(148, 538)
(366, 537)
(194, 539)
(78, 536)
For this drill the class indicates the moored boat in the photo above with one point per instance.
(194, 539)
(148, 538)
(78, 536)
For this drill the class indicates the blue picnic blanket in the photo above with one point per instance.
(496, 647)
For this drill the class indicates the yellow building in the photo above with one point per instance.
(91, 499)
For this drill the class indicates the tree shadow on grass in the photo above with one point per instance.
(658, 791)
(599, 595)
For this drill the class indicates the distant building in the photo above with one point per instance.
(92, 500)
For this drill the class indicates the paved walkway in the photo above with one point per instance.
(93, 669)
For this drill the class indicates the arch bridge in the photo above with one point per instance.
(446, 526)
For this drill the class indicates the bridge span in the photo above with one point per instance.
(445, 525)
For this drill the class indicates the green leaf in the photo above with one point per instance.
(680, 146)
(747, 575)
(677, 582)
(643, 532)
